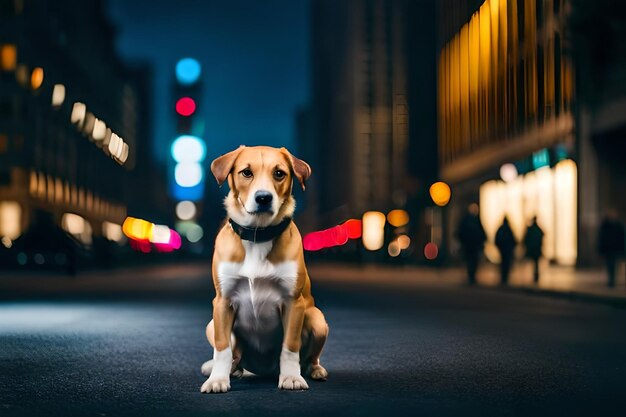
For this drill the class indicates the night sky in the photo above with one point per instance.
(254, 56)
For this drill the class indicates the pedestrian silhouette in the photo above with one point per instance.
(472, 237)
(505, 241)
(611, 243)
(533, 241)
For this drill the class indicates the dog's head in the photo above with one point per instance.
(260, 180)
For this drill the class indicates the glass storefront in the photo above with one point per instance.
(550, 194)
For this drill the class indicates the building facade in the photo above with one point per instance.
(514, 134)
(72, 121)
(359, 112)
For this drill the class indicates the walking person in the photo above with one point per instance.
(472, 237)
(533, 241)
(505, 241)
(611, 243)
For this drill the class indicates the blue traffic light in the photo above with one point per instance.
(188, 71)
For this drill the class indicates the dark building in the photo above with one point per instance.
(74, 123)
(521, 129)
(372, 110)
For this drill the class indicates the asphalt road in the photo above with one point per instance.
(425, 351)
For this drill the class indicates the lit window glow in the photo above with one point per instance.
(10, 219)
(36, 78)
(8, 57)
(58, 95)
(78, 113)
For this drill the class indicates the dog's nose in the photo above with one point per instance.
(263, 198)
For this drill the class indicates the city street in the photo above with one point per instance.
(425, 350)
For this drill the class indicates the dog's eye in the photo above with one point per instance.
(279, 175)
(247, 173)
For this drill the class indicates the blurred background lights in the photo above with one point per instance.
(431, 251)
(78, 113)
(398, 218)
(188, 71)
(185, 106)
(335, 236)
(373, 230)
(112, 231)
(440, 193)
(403, 241)
(185, 210)
(36, 78)
(58, 95)
(508, 172)
(393, 249)
(160, 234)
(8, 57)
(137, 229)
(10, 219)
(195, 233)
(188, 148)
(188, 174)
(99, 130)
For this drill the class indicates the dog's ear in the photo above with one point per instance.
(300, 169)
(221, 166)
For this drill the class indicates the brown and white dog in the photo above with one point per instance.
(264, 317)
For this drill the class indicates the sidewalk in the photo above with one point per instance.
(563, 282)
(557, 281)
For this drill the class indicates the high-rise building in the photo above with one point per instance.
(359, 111)
(73, 125)
(516, 133)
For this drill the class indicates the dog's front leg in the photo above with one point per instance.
(223, 317)
(293, 319)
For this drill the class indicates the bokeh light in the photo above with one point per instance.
(188, 174)
(393, 249)
(335, 236)
(188, 148)
(185, 210)
(137, 229)
(195, 233)
(373, 230)
(431, 251)
(508, 172)
(36, 78)
(440, 193)
(58, 95)
(188, 71)
(185, 106)
(398, 218)
(403, 241)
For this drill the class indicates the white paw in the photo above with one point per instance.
(207, 367)
(216, 384)
(319, 373)
(292, 382)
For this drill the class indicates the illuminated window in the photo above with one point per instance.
(8, 57)
(36, 78)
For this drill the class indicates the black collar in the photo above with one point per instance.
(260, 234)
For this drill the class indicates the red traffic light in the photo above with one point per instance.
(185, 106)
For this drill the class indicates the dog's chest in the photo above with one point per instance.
(256, 287)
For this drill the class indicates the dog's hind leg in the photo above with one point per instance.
(315, 333)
